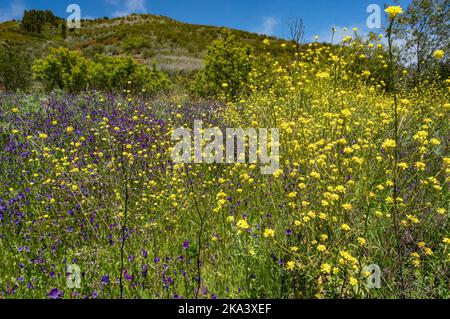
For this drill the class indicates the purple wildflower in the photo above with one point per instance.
(55, 293)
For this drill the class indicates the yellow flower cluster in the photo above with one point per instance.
(394, 11)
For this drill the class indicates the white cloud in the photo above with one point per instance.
(127, 7)
(14, 11)
(269, 25)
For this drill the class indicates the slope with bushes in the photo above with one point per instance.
(172, 45)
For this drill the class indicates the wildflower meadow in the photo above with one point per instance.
(93, 204)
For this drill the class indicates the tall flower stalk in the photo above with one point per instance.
(393, 11)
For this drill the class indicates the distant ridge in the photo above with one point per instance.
(174, 46)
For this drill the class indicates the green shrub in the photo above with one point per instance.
(226, 71)
(64, 69)
(135, 43)
(151, 80)
(72, 72)
(109, 72)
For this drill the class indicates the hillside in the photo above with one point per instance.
(174, 46)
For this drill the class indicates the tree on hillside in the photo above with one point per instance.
(15, 68)
(33, 20)
(424, 28)
(227, 66)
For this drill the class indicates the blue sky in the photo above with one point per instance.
(261, 16)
